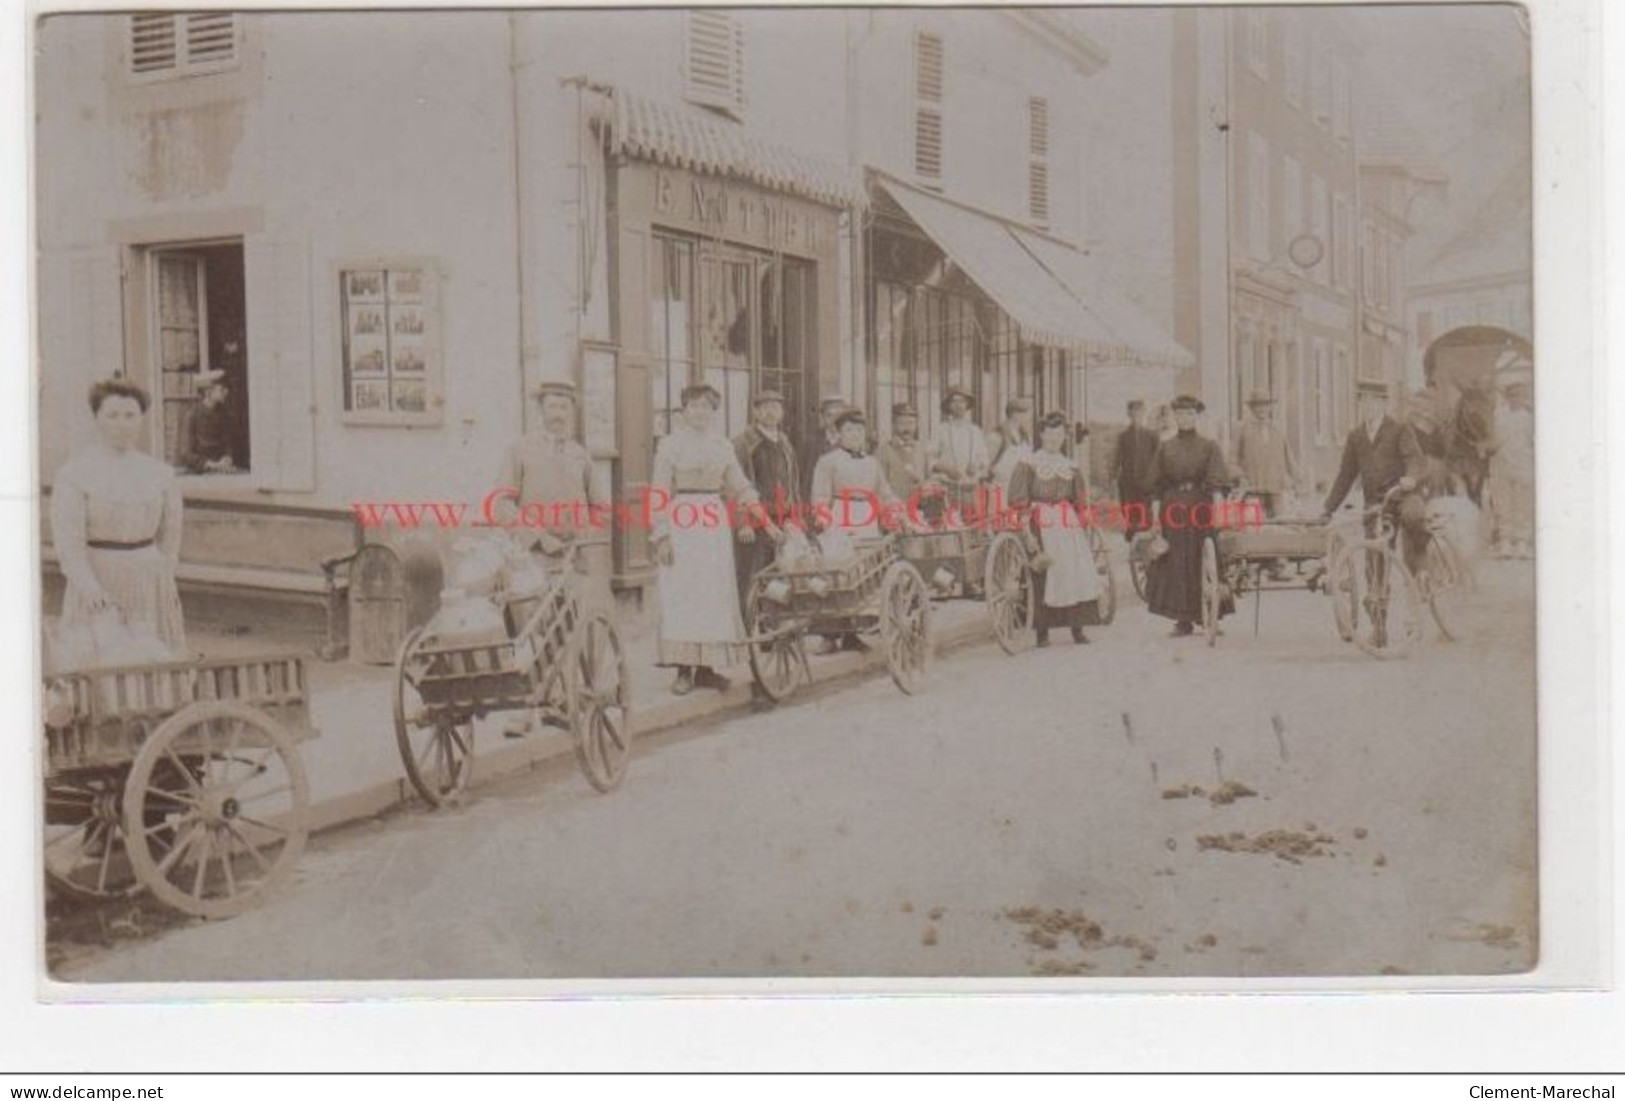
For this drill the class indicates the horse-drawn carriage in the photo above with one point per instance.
(180, 778)
(873, 590)
(511, 637)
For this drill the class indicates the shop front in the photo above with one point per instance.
(962, 298)
(718, 277)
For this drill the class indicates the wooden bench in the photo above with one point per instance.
(232, 547)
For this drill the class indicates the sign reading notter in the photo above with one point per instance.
(740, 213)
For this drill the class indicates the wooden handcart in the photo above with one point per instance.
(182, 779)
(1270, 555)
(553, 658)
(877, 592)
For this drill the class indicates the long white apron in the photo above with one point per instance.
(1072, 577)
(698, 591)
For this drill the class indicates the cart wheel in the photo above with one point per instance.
(85, 854)
(1444, 585)
(905, 625)
(233, 829)
(1108, 580)
(778, 657)
(1212, 592)
(1009, 593)
(1340, 586)
(1137, 563)
(600, 696)
(438, 751)
(1388, 608)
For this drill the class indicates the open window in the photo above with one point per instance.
(196, 324)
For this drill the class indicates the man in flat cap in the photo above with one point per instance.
(902, 456)
(1130, 468)
(822, 442)
(563, 497)
(769, 461)
(1263, 455)
(958, 451)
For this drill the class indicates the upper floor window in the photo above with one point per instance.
(1038, 160)
(1321, 88)
(1342, 102)
(928, 81)
(175, 44)
(715, 61)
(1294, 48)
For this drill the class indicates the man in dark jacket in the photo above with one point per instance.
(1383, 453)
(769, 461)
(1131, 466)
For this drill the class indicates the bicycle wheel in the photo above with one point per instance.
(1388, 612)
(1340, 586)
(1443, 582)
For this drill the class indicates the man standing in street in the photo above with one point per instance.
(769, 461)
(1383, 453)
(1263, 455)
(902, 456)
(1130, 468)
(559, 488)
(958, 453)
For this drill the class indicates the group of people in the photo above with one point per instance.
(838, 480)
(116, 511)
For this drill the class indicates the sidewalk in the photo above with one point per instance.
(354, 767)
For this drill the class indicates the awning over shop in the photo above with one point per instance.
(689, 137)
(1056, 296)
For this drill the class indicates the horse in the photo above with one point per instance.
(1456, 429)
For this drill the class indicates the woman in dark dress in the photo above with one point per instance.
(1047, 485)
(1186, 472)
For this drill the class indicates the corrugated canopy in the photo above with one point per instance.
(1055, 295)
(690, 137)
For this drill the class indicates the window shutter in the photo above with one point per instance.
(928, 143)
(928, 67)
(281, 394)
(1038, 191)
(716, 60)
(181, 43)
(1038, 126)
(152, 43)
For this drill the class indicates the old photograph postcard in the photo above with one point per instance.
(755, 493)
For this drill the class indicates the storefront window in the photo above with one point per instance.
(749, 327)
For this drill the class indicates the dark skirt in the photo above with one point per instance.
(1084, 614)
(1173, 583)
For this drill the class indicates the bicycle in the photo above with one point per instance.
(1379, 608)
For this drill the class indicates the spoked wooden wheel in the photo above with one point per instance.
(1212, 591)
(1137, 562)
(1340, 586)
(600, 697)
(905, 626)
(85, 854)
(437, 750)
(778, 655)
(1108, 580)
(1388, 606)
(1444, 585)
(1008, 590)
(234, 827)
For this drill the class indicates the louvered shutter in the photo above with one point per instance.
(280, 361)
(928, 74)
(716, 60)
(179, 43)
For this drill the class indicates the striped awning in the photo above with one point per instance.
(1056, 295)
(684, 136)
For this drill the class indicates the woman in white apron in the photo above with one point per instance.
(1048, 485)
(700, 624)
